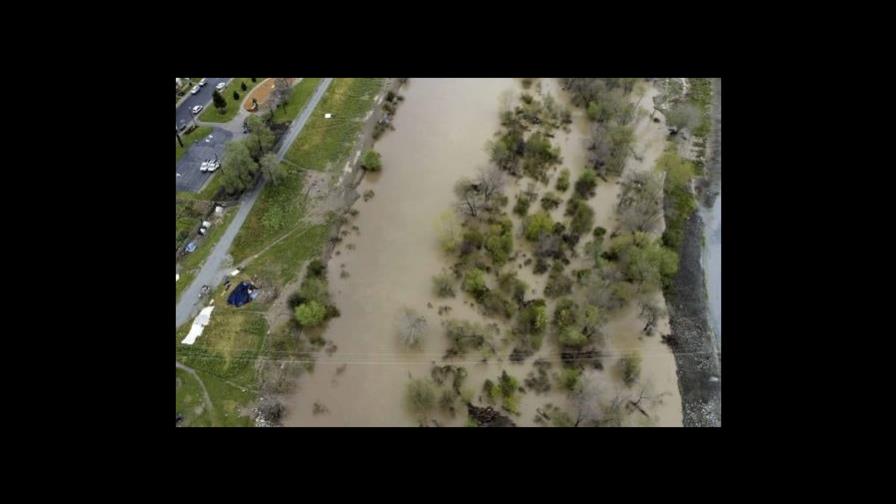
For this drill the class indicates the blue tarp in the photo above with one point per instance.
(191, 246)
(242, 294)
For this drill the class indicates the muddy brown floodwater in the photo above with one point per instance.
(440, 132)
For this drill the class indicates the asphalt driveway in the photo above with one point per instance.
(188, 177)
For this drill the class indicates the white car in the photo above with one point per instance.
(220, 86)
(204, 166)
(197, 109)
(213, 165)
(194, 90)
(203, 82)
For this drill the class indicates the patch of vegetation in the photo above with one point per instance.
(563, 180)
(550, 201)
(631, 368)
(372, 161)
(558, 284)
(680, 202)
(465, 336)
(420, 398)
(536, 224)
(443, 285)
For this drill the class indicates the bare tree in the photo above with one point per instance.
(470, 197)
(490, 182)
(650, 313)
(640, 201)
(411, 328)
(280, 95)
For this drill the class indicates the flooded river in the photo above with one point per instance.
(440, 132)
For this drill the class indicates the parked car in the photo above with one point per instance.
(213, 165)
(194, 90)
(220, 86)
(203, 82)
(197, 109)
(182, 127)
(204, 166)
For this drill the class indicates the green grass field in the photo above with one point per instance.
(301, 92)
(211, 114)
(325, 143)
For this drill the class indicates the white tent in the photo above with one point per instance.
(199, 324)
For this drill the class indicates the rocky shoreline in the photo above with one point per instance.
(697, 361)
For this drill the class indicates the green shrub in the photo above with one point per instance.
(572, 337)
(569, 378)
(537, 223)
(310, 314)
(582, 216)
(317, 268)
(565, 313)
(499, 242)
(236, 96)
(474, 282)
(533, 318)
(372, 161)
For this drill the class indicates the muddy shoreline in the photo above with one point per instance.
(698, 363)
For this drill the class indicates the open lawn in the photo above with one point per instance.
(325, 143)
(189, 139)
(301, 92)
(229, 345)
(211, 114)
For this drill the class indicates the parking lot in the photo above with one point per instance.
(189, 177)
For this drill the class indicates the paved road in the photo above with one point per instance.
(203, 97)
(213, 271)
(190, 178)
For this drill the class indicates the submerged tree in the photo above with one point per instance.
(411, 328)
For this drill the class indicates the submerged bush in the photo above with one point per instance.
(631, 368)
(411, 328)
(420, 398)
(563, 180)
(443, 285)
(496, 304)
(558, 284)
(550, 201)
(586, 183)
(372, 161)
(521, 207)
